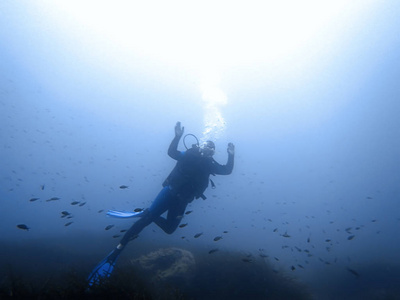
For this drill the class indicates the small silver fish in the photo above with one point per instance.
(286, 235)
(64, 214)
(198, 235)
(188, 212)
(123, 187)
(75, 202)
(213, 251)
(355, 273)
(183, 225)
(82, 204)
(53, 199)
(23, 227)
(69, 223)
(33, 199)
(351, 237)
(217, 238)
(108, 227)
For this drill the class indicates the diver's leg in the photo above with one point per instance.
(106, 266)
(159, 206)
(174, 217)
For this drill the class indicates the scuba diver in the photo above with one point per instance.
(187, 181)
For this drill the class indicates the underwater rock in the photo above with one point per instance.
(168, 265)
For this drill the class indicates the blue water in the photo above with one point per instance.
(315, 185)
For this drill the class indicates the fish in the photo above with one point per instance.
(286, 235)
(108, 227)
(183, 225)
(42, 187)
(74, 202)
(188, 212)
(198, 235)
(263, 255)
(23, 227)
(67, 224)
(101, 210)
(138, 209)
(292, 268)
(64, 214)
(327, 240)
(247, 260)
(123, 230)
(82, 204)
(33, 199)
(123, 187)
(213, 251)
(351, 237)
(277, 259)
(116, 236)
(355, 273)
(217, 238)
(134, 237)
(53, 199)
(225, 231)
(308, 240)
(275, 230)
(300, 266)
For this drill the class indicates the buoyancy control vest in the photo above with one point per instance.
(191, 174)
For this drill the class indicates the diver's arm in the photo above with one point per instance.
(225, 169)
(173, 147)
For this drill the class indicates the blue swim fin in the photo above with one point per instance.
(104, 268)
(124, 214)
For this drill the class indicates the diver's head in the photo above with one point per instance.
(208, 149)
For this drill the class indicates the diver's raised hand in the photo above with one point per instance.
(179, 130)
(231, 149)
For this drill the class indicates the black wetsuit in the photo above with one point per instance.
(188, 180)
